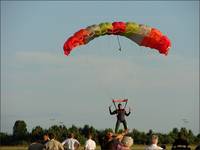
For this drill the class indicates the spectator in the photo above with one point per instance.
(180, 143)
(125, 144)
(36, 145)
(53, 144)
(117, 141)
(45, 138)
(107, 141)
(154, 142)
(198, 147)
(90, 144)
(71, 143)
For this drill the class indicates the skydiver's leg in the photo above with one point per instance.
(117, 126)
(125, 125)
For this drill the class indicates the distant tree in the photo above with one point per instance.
(85, 130)
(74, 129)
(175, 131)
(197, 139)
(184, 132)
(64, 132)
(190, 137)
(166, 139)
(20, 131)
(93, 132)
(173, 135)
(5, 139)
(170, 139)
(21, 135)
(135, 134)
(139, 137)
(59, 131)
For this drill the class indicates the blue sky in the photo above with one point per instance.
(43, 87)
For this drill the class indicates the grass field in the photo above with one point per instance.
(135, 147)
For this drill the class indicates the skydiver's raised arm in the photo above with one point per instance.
(127, 114)
(112, 113)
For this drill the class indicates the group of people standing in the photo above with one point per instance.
(111, 141)
(50, 143)
(116, 141)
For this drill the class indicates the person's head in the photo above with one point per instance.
(71, 135)
(127, 141)
(89, 136)
(51, 135)
(46, 136)
(119, 106)
(154, 139)
(36, 138)
(109, 135)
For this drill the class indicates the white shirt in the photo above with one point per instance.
(153, 147)
(70, 143)
(90, 145)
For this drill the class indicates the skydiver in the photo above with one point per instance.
(121, 113)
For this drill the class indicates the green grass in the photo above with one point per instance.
(135, 147)
(13, 148)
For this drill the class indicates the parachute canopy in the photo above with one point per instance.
(141, 34)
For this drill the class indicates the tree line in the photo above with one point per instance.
(21, 136)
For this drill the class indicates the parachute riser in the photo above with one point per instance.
(120, 48)
(114, 104)
(125, 100)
